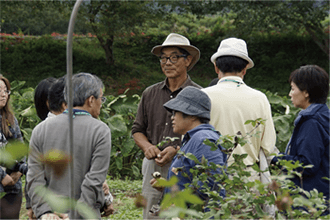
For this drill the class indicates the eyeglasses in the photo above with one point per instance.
(103, 99)
(173, 58)
(7, 92)
(173, 113)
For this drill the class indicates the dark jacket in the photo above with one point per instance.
(309, 144)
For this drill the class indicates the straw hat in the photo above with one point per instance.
(177, 40)
(233, 47)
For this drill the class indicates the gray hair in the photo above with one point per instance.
(84, 85)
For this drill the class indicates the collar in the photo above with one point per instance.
(165, 83)
(231, 79)
(77, 112)
(309, 111)
(193, 131)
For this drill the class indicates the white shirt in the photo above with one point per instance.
(233, 103)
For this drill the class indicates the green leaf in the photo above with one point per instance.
(136, 171)
(57, 203)
(61, 204)
(13, 151)
(192, 157)
(168, 183)
(119, 163)
(117, 124)
(28, 112)
(190, 197)
(127, 147)
(2, 194)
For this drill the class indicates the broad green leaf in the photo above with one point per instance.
(127, 147)
(190, 197)
(28, 112)
(13, 151)
(117, 124)
(168, 183)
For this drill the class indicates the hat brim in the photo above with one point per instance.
(188, 109)
(232, 53)
(192, 50)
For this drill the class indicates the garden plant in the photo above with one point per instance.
(244, 202)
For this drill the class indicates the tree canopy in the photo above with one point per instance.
(111, 20)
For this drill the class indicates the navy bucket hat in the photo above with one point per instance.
(191, 101)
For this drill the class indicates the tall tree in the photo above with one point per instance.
(111, 19)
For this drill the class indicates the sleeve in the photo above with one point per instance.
(140, 123)
(2, 174)
(268, 138)
(310, 147)
(216, 157)
(36, 178)
(91, 187)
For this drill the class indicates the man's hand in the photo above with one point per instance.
(30, 214)
(108, 210)
(151, 152)
(105, 188)
(166, 156)
(15, 176)
(7, 181)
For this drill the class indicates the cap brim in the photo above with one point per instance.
(192, 50)
(181, 106)
(231, 53)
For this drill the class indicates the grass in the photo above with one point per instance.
(124, 193)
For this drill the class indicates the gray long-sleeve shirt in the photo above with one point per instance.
(92, 147)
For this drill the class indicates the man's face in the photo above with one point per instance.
(181, 125)
(96, 107)
(177, 69)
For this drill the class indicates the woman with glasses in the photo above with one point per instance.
(10, 177)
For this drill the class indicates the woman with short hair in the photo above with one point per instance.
(309, 143)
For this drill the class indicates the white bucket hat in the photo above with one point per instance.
(177, 40)
(233, 47)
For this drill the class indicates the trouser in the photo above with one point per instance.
(10, 206)
(152, 195)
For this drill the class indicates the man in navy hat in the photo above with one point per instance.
(190, 117)
(233, 102)
(153, 123)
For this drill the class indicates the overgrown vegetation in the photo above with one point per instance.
(126, 160)
(245, 197)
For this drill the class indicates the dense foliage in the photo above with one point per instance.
(245, 198)
(119, 112)
(32, 59)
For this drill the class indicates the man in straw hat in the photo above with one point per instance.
(233, 102)
(153, 123)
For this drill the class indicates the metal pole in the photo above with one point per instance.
(70, 99)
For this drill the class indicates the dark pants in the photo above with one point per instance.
(10, 206)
